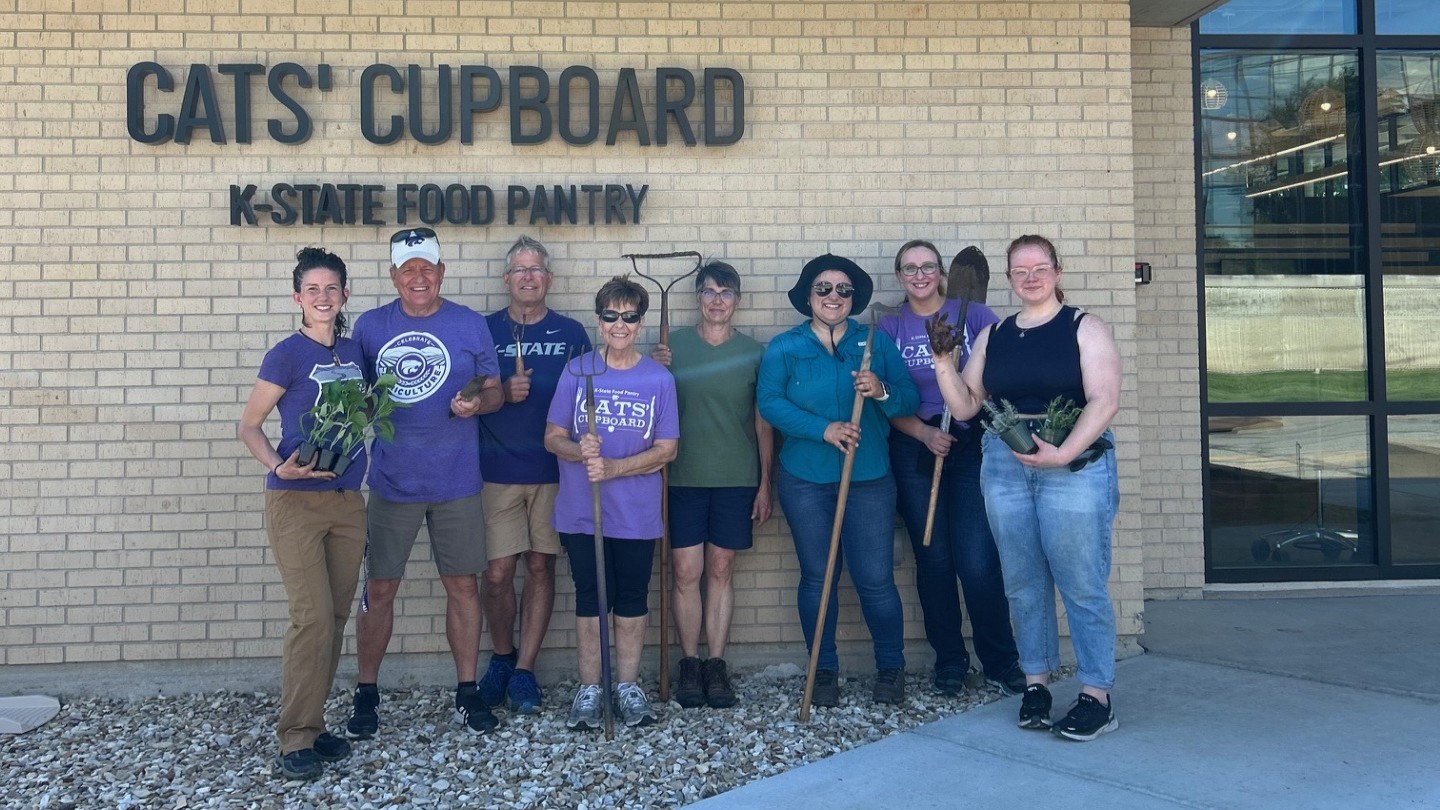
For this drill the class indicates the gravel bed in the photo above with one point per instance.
(216, 750)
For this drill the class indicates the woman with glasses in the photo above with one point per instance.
(1052, 511)
(720, 481)
(314, 519)
(808, 381)
(960, 539)
(637, 432)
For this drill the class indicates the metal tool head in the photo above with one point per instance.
(877, 310)
(664, 288)
(969, 276)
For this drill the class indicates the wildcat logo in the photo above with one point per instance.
(420, 361)
(329, 373)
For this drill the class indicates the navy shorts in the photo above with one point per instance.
(627, 574)
(719, 516)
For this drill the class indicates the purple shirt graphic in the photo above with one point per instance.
(634, 407)
(300, 366)
(908, 331)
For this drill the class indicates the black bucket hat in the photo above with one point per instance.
(864, 285)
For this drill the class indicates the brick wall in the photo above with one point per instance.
(1167, 362)
(135, 316)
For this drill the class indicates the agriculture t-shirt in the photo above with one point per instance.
(300, 366)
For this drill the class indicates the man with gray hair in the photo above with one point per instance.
(521, 476)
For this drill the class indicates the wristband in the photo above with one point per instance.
(276, 470)
(884, 392)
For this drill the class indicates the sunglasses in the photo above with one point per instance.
(824, 288)
(416, 234)
(628, 316)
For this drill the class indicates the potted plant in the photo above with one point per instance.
(1007, 424)
(347, 414)
(1060, 416)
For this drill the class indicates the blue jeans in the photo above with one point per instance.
(960, 544)
(1052, 527)
(867, 546)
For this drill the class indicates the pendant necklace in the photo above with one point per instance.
(334, 355)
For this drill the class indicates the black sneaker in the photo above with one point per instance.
(827, 688)
(302, 764)
(471, 711)
(1088, 719)
(1035, 707)
(364, 717)
(950, 681)
(497, 678)
(1012, 683)
(329, 748)
(889, 686)
(689, 688)
(719, 692)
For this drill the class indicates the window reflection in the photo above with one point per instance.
(1414, 488)
(1290, 490)
(1283, 17)
(1284, 289)
(1407, 17)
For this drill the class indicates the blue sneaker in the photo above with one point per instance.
(524, 692)
(497, 678)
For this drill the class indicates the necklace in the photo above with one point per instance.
(334, 355)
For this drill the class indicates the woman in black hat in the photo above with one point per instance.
(808, 380)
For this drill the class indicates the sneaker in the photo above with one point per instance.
(1035, 707)
(889, 686)
(719, 692)
(689, 688)
(585, 710)
(827, 688)
(950, 681)
(329, 748)
(633, 706)
(364, 717)
(1012, 683)
(302, 764)
(471, 711)
(1088, 719)
(497, 678)
(524, 692)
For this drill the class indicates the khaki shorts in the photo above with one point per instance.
(457, 536)
(520, 517)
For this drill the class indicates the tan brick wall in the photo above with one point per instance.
(135, 316)
(1167, 330)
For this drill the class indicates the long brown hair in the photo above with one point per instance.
(1033, 240)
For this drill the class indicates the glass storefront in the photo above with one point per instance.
(1319, 173)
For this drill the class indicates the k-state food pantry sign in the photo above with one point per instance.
(392, 103)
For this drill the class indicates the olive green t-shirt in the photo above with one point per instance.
(715, 386)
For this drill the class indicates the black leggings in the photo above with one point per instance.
(627, 574)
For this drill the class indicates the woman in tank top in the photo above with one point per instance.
(1052, 511)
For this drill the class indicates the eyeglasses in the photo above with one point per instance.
(527, 271)
(628, 316)
(928, 268)
(1023, 273)
(824, 288)
(417, 234)
(724, 295)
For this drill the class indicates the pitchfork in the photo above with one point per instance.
(590, 370)
(664, 471)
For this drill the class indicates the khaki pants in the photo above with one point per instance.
(319, 541)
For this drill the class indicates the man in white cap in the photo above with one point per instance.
(430, 471)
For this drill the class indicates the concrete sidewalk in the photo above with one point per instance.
(1274, 702)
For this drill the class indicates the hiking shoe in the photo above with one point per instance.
(1088, 719)
(950, 681)
(497, 678)
(524, 692)
(301, 764)
(364, 717)
(471, 711)
(1035, 707)
(329, 748)
(719, 692)
(585, 710)
(689, 688)
(889, 686)
(1012, 683)
(827, 688)
(633, 706)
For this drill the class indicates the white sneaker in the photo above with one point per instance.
(585, 710)
(633, 706)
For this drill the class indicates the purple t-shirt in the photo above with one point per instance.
(634, 407)
(434, 457)
(512, 440)
(300, 366)
(908, 331)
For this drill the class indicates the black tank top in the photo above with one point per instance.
(1030, 367)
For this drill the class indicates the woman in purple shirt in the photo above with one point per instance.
(315, 521)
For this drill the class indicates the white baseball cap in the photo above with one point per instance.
(413, 243)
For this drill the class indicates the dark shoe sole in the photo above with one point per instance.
(279, 769)
(725, 702)
(1036, 723)
(690, 700)
(487, 725)
(1081, 737)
